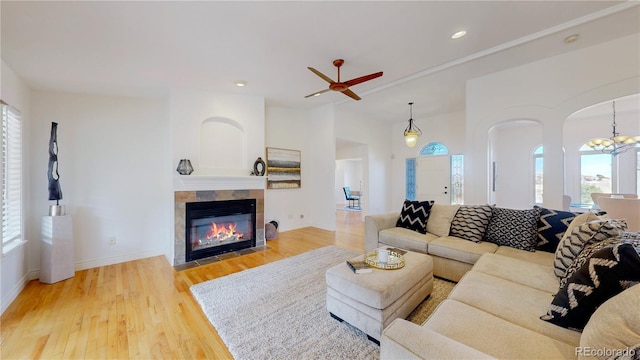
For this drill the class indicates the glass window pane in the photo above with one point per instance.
(538, 181)
(595, 175)
(410, 176)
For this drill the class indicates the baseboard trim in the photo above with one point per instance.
(8, 298)
(90, 264)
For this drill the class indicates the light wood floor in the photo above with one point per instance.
(141, 309)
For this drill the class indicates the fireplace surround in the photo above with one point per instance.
(217, 227)
(182, 198)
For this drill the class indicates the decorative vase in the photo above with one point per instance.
(184, 167)
(259, 167)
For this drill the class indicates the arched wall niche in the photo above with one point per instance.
(223, 146)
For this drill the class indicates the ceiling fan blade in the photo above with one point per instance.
(317, 93)
(363, 79)
(325, 77)
(351, 94)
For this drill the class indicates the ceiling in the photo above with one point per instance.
(145, 48)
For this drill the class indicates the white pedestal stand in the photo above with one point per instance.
(56, 249)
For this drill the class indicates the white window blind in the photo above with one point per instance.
(11, 176)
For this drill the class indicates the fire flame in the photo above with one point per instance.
(222, 232)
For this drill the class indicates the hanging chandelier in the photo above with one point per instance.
(616, 144)
(412, 132)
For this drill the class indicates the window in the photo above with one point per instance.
(538, 162)
(433, 148)
(410, 178)
(457, 179)
(11, 177)
(596, 172)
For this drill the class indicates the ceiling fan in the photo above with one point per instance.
(343, 87)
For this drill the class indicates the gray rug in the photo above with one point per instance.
(278, 311)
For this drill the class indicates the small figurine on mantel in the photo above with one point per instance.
(55, 192)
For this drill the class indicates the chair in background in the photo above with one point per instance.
(622, 208)
(352, 199)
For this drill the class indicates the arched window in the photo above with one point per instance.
(538, 162)
(597, 173)
(433, 148)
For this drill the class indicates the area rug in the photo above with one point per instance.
(278, 311)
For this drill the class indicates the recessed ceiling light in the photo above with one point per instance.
(459, 34)
(571, 38)
(241, 83)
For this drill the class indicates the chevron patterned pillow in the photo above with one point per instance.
(514, 228)
(552, 224)
(470, 222)
(605, 274)
(587, 233)
(414, 215)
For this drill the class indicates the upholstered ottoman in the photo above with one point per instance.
(373, 300)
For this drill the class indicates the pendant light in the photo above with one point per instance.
(412, 132)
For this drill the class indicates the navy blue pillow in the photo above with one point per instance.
(552, 224)
(414, 215)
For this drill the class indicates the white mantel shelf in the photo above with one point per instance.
(216, 182)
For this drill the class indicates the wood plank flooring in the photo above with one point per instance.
(142, 309)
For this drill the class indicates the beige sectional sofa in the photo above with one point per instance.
(452, 256)
(494, 311)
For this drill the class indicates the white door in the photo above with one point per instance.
(433, 179)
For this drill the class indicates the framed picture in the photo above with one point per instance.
(283, 168)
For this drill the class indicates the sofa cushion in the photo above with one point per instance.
(612, 325)
(462, 250)
(582, 235)
(440, 219)
(414, 215)
(607, 273)
(406, 239)
(552, 224)
(522, 272)
(470, 222)
(516, 303)
(494, 335)
(536, 257)
(514, 228)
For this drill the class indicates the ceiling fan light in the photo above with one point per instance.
(597, 141)
(630, 140)
(607, 143)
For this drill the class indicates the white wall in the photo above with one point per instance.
(547, 91)
(311, 132)
(289, 129)
(190, 108)
(321, 146)
(114, 165)
(448, 129)
(14, 266)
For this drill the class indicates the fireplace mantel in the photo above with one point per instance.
(216, 182)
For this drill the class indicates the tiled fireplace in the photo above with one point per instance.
(198, 232)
